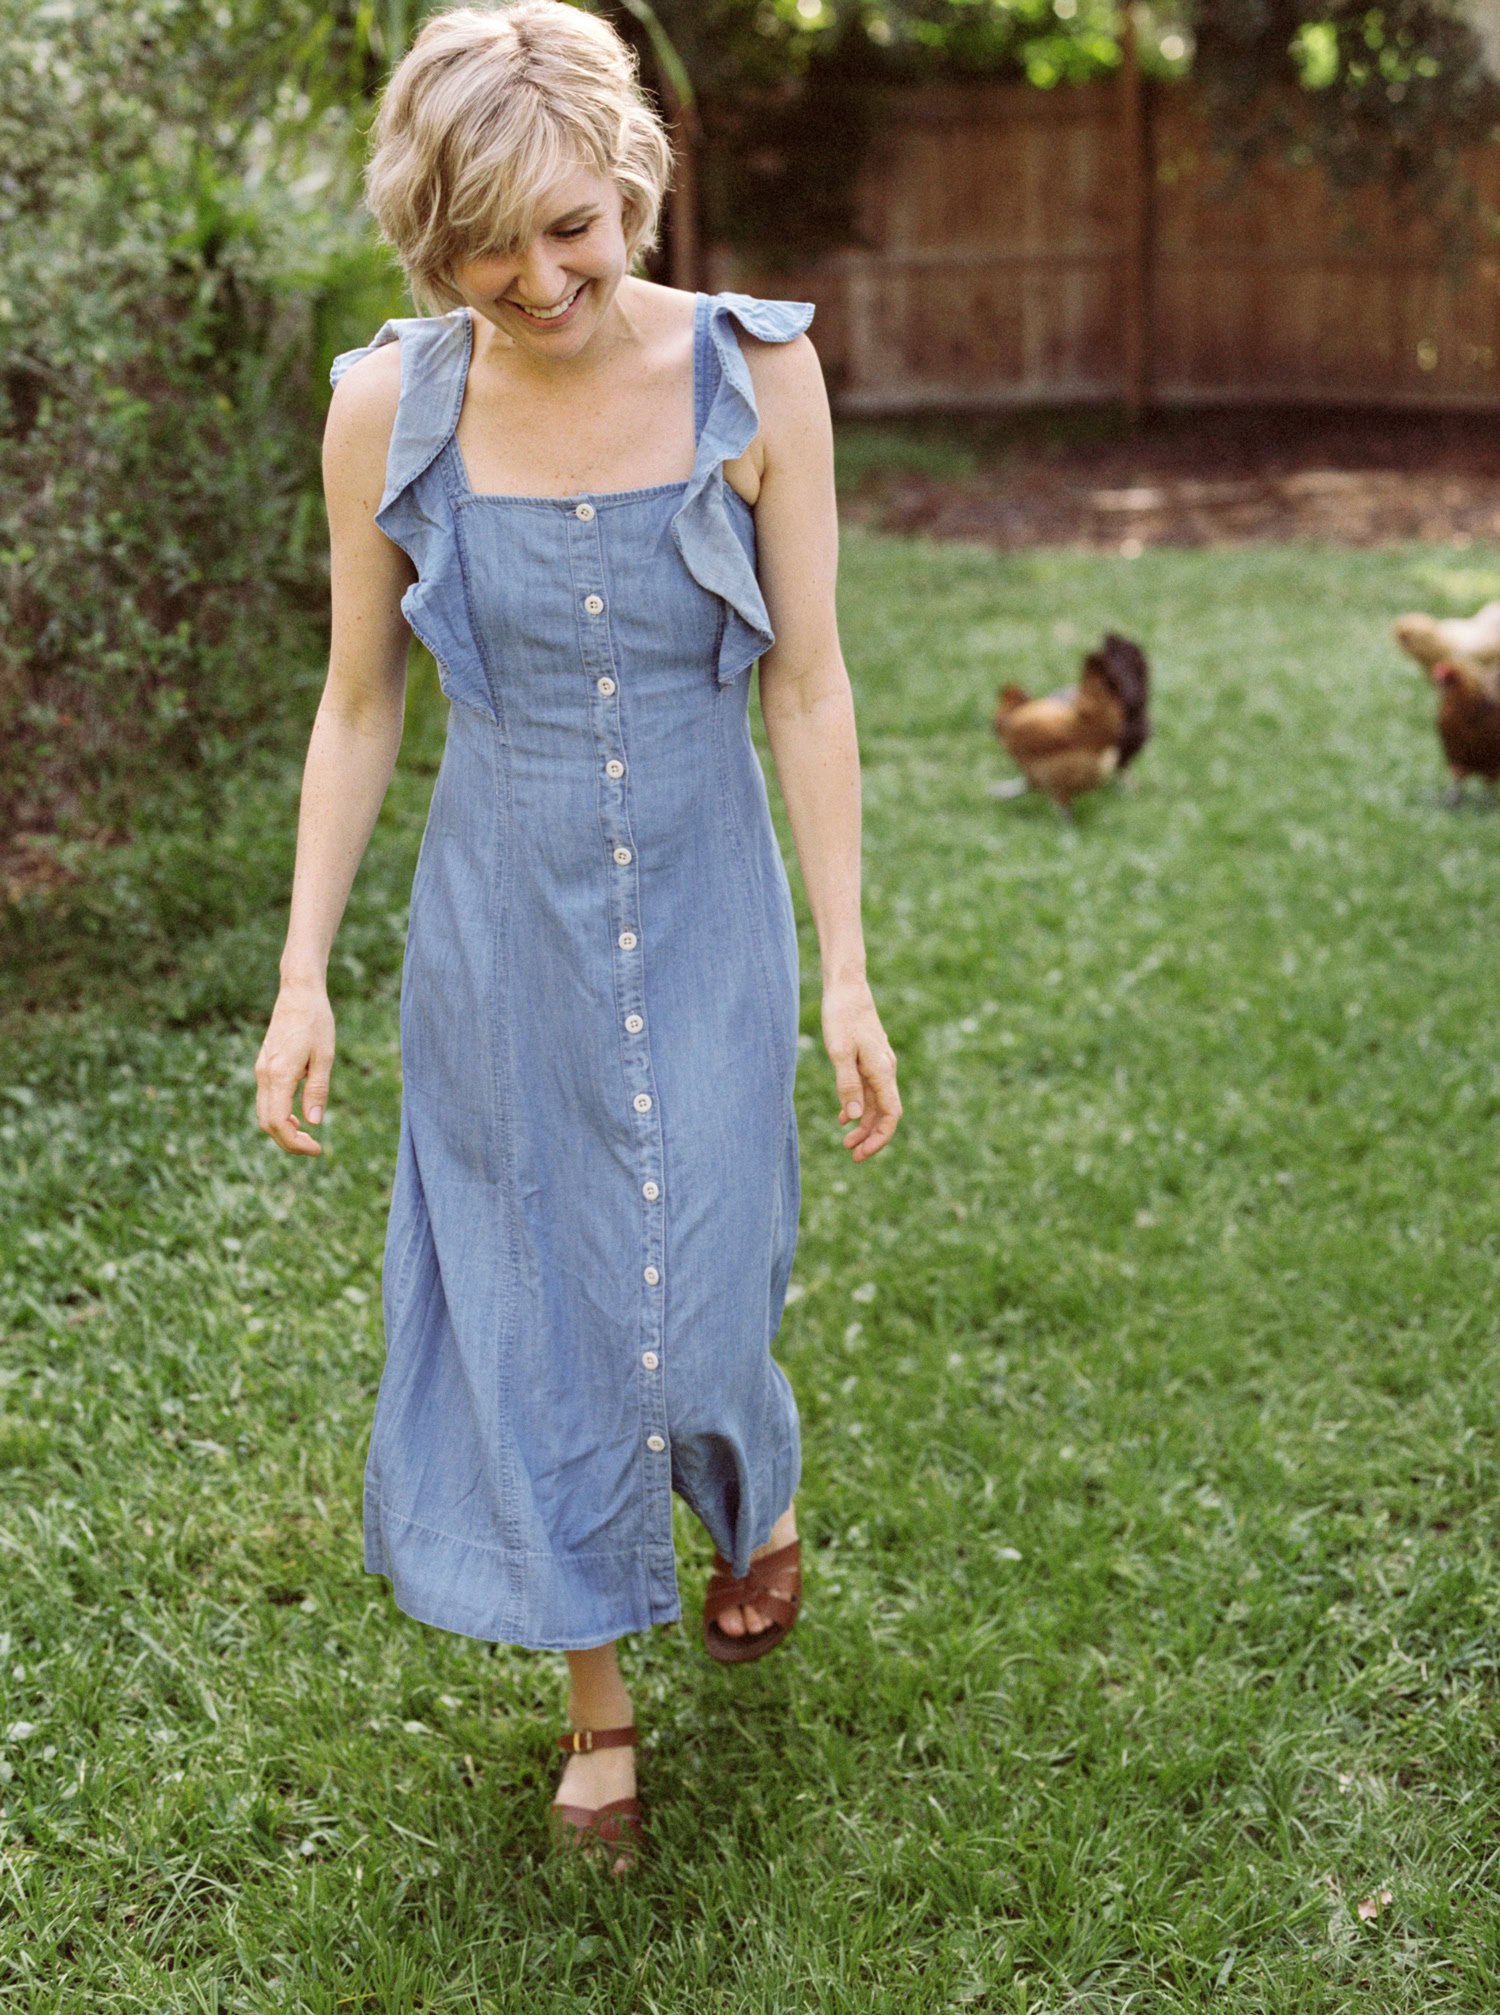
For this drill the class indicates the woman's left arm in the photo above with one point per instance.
(809, 716)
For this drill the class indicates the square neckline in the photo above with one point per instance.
(582, 496)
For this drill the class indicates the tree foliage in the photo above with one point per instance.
(176, 226)
(1390, 94)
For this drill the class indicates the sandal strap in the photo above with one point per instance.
(615, 1821)
(584, 1741)
(726, 1590)
(775, 1608)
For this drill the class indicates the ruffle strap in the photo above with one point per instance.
(434, 368)
(417, 516)
(712, 550)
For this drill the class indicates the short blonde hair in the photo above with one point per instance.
(488, 109)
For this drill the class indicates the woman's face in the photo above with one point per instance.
(550, 297)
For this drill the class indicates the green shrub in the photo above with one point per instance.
(179, 254)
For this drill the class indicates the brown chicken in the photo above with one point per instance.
(1071, 742)
(1468, 722)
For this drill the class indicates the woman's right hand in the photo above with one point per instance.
(298, 1046)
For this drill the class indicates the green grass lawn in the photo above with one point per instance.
(1149, 1393)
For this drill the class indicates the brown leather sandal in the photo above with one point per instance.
(755, 1589)
(618, 1824)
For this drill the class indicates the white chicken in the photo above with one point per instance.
(1472, 640)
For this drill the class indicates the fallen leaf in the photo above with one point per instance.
(1372, 1906)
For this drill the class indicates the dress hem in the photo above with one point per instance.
(419, 1614)
(496, 1621)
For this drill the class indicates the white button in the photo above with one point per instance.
(622, 857)
(651, 1276)
(650, 1359)
(650, 1191)
(642, 1101)
(634, 1023)
(627, 941)
(614, 768)
(655, 1443)
(606, 686)
(584, 511)
(593, 603)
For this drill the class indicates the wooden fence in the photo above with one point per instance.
(1024, 247)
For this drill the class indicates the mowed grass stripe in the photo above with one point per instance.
(1148, 1389)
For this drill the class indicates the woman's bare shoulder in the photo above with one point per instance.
(367, 394)
(361, 415)
(788, 381)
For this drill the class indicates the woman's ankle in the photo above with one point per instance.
(596, 1693)
(783, 1532)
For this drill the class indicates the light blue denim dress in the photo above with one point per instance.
(596, 1190)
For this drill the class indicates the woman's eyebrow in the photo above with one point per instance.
(574, 215)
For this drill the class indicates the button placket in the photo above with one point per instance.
(620, 862)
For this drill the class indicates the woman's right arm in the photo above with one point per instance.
(353, 748)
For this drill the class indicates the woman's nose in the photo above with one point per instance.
(540, 279)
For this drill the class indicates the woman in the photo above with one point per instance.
(598, 501)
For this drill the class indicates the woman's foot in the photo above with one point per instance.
(748, 1621)
(596, 1812)
(598, 1777)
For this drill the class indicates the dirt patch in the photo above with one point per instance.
(1206, 479)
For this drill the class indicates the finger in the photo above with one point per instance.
(884, 1113)
(274, 1112)
(273, 1096)
(849, 1085)
(862, 1109)
(858, 1143)
(878, 1137)
(877, 1076)
(868, 1114)
(884, 1095)
(288, 1134)
(855, 1141)
(315, 1091)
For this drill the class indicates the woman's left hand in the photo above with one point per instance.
(864, 1068)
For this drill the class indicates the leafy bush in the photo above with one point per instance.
(179, 252)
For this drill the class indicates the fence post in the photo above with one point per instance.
(1135, 245)
(682, 205)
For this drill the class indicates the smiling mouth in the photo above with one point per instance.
(548, 314)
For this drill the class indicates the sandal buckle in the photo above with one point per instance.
(583, 1741)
